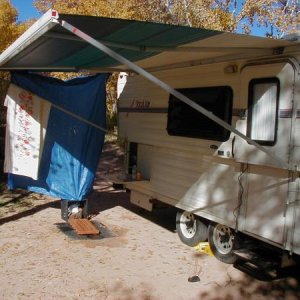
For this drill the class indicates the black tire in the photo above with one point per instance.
(190, 229)
(222, 241)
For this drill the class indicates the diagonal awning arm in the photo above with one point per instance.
(168, 88)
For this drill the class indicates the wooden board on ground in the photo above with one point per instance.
(83, 226)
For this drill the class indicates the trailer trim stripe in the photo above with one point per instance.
(236, 112)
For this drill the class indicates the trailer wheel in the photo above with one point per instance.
(223, 242)
(190, 229)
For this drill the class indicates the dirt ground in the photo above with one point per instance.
(137, 255)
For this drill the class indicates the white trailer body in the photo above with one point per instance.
(211, 119)
(229, 182)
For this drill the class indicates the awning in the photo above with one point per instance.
(48, 46)
(72, 43)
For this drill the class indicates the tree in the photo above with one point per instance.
(10, 30)
(201, 13)
(275, 16)
(189, 12)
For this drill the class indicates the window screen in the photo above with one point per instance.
(263, 110)
(184, 120)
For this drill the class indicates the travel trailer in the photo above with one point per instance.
(225, 189)
(210, 121)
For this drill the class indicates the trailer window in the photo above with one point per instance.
(263, 110)
(184, 120)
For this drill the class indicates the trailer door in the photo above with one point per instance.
(267, 103)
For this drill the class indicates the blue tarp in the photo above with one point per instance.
(72, 148)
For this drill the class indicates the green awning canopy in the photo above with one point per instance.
(143, 36)
(57, 48)
(47, 45)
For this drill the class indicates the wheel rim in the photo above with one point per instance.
(188, 224)
(223, 238)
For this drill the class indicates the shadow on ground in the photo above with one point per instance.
(29, 212)
(250, 288)
(104, 198)
(101, 201)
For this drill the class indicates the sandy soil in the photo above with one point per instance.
(137, 256)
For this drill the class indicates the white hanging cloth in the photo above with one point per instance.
(27, 118)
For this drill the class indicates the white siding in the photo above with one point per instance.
(182, 169)
(190, 174)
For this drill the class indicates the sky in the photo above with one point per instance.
(26, 11)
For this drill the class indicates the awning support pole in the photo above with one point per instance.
(168, 88)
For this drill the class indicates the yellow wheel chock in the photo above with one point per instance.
(204, 247)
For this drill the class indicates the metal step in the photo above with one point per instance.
(255, 271)
(258, 264)
(259, 258)
(264, 263)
